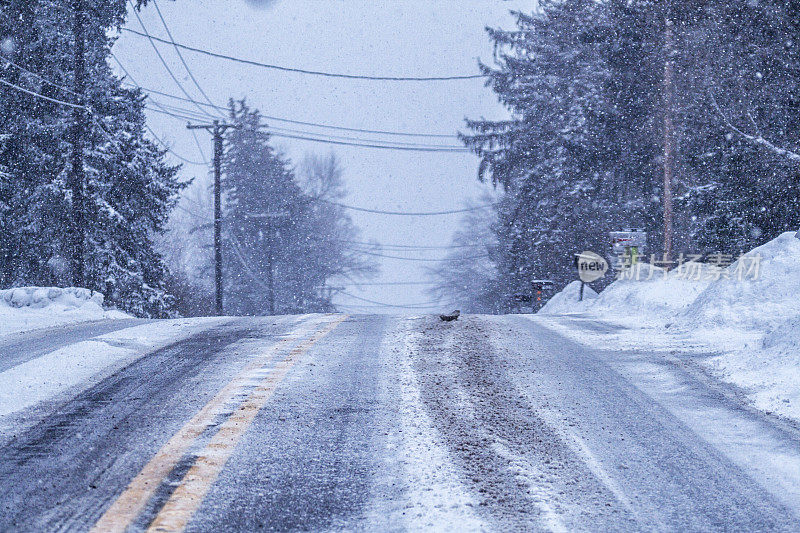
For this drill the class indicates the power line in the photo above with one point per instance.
(273, 130)
(365, 308)
(428, 305)
(305, 123)
(413, 246)
(421, 259)
(92, 114)
(185, 114)
(386, 283)
(39, 77)
(199, 148)
(365, 145)
(43, 97)
(327, 139)
(161, 58)
(404, 213)
(173, 152)
(180, 55)
(153, 133)
(306, 71)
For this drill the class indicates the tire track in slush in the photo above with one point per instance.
(525, 477)
(85, 435)
(181, 505)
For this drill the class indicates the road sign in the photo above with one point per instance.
(624, 241)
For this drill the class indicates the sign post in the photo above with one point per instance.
(591, 267)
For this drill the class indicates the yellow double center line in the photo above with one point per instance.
(185, 500)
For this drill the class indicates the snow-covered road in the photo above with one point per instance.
(326, 422)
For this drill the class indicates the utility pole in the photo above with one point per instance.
(271, 271)
(216, 129)
(669, 130)
(269, 217)
(77, 176)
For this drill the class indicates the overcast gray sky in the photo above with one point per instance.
(407, 38)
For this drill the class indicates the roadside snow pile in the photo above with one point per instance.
(566, 301)
(753, 299)
(748, 313)
(772, 374)
(764, 304)
(648, 292)
(26, 308)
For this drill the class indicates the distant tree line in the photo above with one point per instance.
(583, 154)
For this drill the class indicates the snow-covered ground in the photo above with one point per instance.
(747, 315)
(28, 308)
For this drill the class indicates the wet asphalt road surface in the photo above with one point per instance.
(381, 423)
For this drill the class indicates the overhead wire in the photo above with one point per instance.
(205, 161)
(152, 40)
(307, 71)
(422, 305)
(272, 130)
(421, 259)
(184, 114)
(90, 112)
(43, 97)
(150, 129)
(386, 283)
(180, 55)
(305, 123)
(404, 213)
(367, 145)
(399, 247)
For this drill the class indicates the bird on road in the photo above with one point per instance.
(452, 316)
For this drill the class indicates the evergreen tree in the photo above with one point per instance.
(549, 158)
(283, 243)
(742, 118)
(129, 187)
(584, 151)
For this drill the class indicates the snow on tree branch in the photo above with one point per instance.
(757, 139)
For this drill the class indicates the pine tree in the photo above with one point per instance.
(549, 159)
(283, 243)
(130, 188)
(584, 151)
(748, 192)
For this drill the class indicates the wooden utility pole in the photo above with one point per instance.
(271, 271)
(77, 176)
(669, 131)
(269, 217)
(216, 129)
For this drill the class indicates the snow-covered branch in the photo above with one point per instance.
(757, 138)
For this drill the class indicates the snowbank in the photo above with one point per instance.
(566, 301)
(757, 301)
(772, 373)
(26, 308)
(651, 293)
(766, 307)
(749, 313)
(646, 293)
